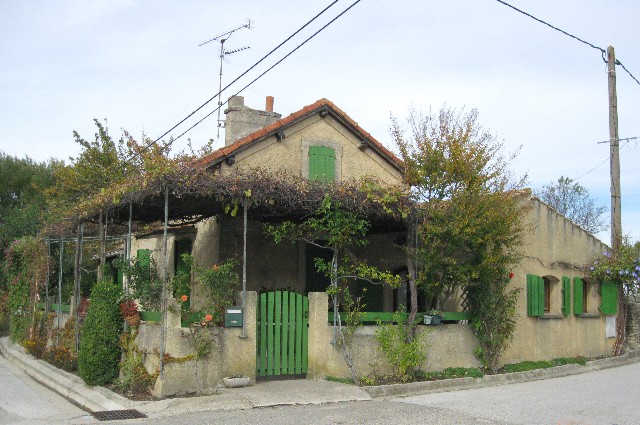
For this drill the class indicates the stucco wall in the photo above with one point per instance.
(291, 154)
(230, 353)
(555, 248)
(445, 346)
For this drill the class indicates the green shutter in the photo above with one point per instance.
(609, 295)
(144, 257)
(578, 296)
(535, 296)
(322, 162)
(566, 296)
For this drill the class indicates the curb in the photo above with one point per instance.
(64, 383)
(414, 388)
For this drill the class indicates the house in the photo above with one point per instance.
(561, 311)
(318, 142)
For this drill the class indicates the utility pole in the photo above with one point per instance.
(614, 148)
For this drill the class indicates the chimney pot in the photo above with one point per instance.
(269, 107)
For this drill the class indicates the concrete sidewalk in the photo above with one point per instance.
(263, 394)
(273, 393)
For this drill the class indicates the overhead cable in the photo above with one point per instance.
(247, 71)
(269, 69)
(602, 51)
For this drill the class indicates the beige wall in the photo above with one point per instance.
(445, 346)
(555, 248)
(231, 353)
(291, 154)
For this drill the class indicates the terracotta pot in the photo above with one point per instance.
(133, 320)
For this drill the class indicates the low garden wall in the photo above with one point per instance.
(448, 345)
(197, 358)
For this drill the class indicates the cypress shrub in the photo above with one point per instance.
(99, 354)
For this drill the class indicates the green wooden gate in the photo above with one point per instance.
(282, 334)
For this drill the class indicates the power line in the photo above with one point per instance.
(602, 51)
(625, 68)
(608, 158)
(147, 146)
(269, 69)
(247, 71)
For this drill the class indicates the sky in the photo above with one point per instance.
(138, 65)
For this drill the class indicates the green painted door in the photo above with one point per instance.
(282, 334)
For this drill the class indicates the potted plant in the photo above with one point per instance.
(129, 310)
(236, 380)
(436, 316)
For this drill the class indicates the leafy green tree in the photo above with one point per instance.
(337, 230)
(468, 222)
(22, 201)
(572, 200)
(101, 165)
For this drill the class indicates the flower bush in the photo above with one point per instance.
(219, 281)
(128, 307)
(622, 269)
(61, 357)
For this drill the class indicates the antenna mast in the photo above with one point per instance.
(222, 38)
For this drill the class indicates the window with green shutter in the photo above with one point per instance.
(566, 296)
(578, 295)
(535, 296)
(609, 295)
(144, 257)
(322, 163)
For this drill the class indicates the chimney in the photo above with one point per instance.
(242, 120)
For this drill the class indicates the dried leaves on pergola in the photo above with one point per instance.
(196, 193)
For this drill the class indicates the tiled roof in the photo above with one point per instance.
(222, 153)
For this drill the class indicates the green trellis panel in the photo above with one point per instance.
(282, 334)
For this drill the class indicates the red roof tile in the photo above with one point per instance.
(222, 153)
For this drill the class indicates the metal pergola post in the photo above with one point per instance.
(243, 334)
(165, 262)
(76, 287)
(46, 286)
(59, 308)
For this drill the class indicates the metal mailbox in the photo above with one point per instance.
(233, 317)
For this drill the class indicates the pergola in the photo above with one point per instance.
(187, 194)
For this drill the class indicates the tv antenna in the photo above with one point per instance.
(222, 38)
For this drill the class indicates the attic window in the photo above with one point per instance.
(322, 163)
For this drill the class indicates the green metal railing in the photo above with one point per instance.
(375, 317)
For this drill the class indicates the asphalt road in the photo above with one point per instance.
(607, 397)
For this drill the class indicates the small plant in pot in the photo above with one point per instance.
(129, 310)
(436, 316)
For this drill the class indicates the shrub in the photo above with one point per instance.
(134, 377)
(405, 357)
(99, 347)
(144, 283)
(61, 357)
